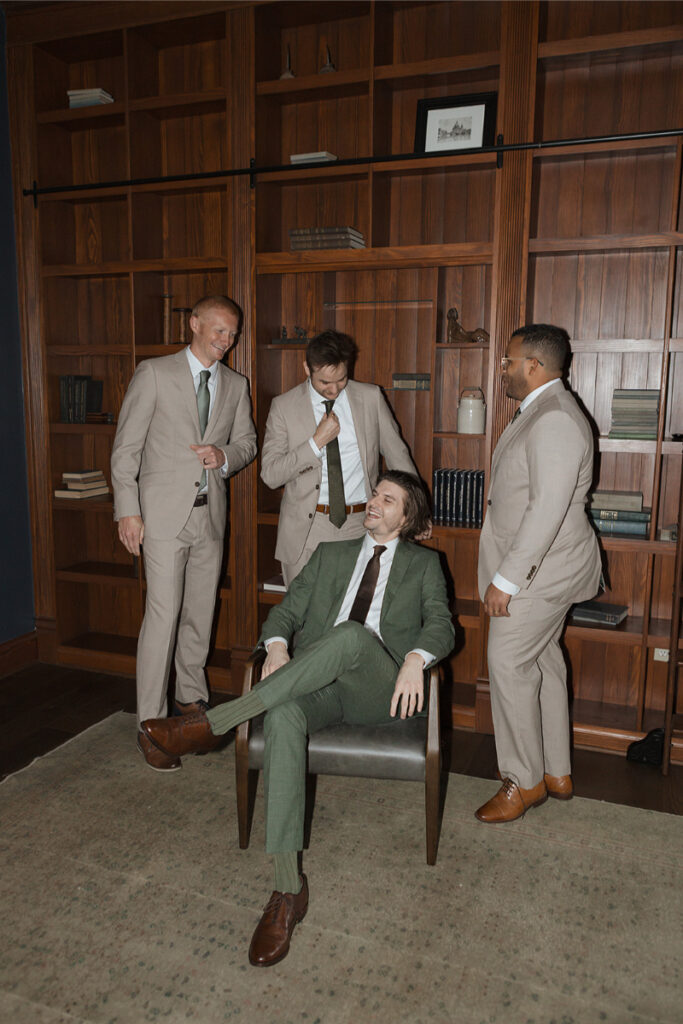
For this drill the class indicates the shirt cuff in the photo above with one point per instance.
(505, 585)
(272, 640)
(224, 471)
(425, 655)
(316, 451)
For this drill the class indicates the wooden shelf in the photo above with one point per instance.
(612, 42)
(84, 118)
(605, 243)
(99, 572)
(147, 351)
(629, 632)
(325, 84)
(179, 264)
(182, 104)
(101, 651)
(89, 350)
(83, 428)
(456, 254)
(437, 66)
(84, 504)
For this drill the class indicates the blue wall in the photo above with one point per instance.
(16, 585)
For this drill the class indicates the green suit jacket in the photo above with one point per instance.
(414, 611)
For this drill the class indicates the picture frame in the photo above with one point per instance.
(454, 124)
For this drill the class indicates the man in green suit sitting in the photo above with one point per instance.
(371, 615)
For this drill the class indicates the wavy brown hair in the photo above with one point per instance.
(415, 502)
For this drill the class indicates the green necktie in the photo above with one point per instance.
(335, 480)
(203, 403)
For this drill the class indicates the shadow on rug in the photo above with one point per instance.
(126, 900)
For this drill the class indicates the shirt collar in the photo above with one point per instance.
(196, 367)
(370, 543)
(533, 395)
(318, 399)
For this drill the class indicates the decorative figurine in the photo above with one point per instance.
(457, 333)
(328, 65)
(283, 334)
(288, 73)
(300, 334)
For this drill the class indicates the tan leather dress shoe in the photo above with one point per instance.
(156, 758)
(511, 802)
(186, 734)
(270, 941)
(560, 787)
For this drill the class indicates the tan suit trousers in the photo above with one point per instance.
(182, 579)
(323, 530)
(529, 702)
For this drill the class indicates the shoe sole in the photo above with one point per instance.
(560, 796)
(163, 771)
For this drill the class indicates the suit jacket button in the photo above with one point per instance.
(317, 487)
(488, 502)
(310, 515)
(196, 483)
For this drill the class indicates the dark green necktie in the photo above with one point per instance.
(335, 480)
(203, 403)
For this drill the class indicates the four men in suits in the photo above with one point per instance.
(370, 614)
(538, 555)
(185, 425)
(307, 442)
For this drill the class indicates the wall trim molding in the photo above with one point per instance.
(18, 653)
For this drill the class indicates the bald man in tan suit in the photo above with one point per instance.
(538, 555)
(185, 425)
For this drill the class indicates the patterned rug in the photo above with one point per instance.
(125, 899)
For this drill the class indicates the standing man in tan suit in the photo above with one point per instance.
(327, 459)
(538, 555)
(185, 426)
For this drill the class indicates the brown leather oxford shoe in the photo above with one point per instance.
(560, 787)
(270, 941)
(186, 734)
(511, 802)
(156, 758)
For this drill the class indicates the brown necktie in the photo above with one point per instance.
(366, 591)
(335, 479)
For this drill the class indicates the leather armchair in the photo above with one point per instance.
(407, 749)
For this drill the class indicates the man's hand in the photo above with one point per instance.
(327, 430)
(276, 657)
(131, 532)
(496, 602)
(409, 689)
(209, 456)
(426, 534)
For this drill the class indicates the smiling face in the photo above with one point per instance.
(385, 512)
(328, 381)
(213, 334)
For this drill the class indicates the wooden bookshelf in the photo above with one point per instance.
(589, 236)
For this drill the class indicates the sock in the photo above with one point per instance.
(287, 877)
(234, 712)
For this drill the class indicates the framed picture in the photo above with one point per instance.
(454, 123)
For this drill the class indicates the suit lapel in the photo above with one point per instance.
(399, 567)
(357, 414)
(339, 574)
(221, 387)
(183, 378)
(515, 427)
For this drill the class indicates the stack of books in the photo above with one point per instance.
(325, 238)
(321, 156)
(86, 483)
(275, 585)
(598, 613)
(619, 512)
(458, 497)
(635, 413)
(88, 97)
(79, 395)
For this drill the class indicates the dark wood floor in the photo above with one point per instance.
(43, 706)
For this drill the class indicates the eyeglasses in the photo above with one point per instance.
(506, 360)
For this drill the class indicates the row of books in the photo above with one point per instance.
(635, 413)
(79, 395)
(458, 497)
(619, 512)
(88, 97)
(325, 238)
(86, 483)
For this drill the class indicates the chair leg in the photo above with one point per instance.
(432, 806)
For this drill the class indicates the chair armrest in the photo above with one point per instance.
(251, 667)
(433, 749)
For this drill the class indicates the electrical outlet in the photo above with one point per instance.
(661, 653)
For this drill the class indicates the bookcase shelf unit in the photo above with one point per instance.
(586, 235)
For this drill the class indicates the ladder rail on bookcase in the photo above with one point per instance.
(675, 653)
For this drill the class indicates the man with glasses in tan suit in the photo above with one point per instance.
(185, 425)
(538, 555)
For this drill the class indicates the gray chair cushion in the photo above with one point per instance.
(392, 751)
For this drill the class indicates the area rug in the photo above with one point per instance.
(126, 899)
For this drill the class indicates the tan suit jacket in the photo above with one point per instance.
(154, 472)
(536, 533)
(288, 461)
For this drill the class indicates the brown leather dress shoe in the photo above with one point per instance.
(511, 802)
(270, 941)
(560, 787)
(156, 758)
(187, 734)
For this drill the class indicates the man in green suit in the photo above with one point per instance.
(371, 614)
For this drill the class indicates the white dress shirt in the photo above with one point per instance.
(196, 368)
(499, 581)
(352, 467)
(375, 611)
